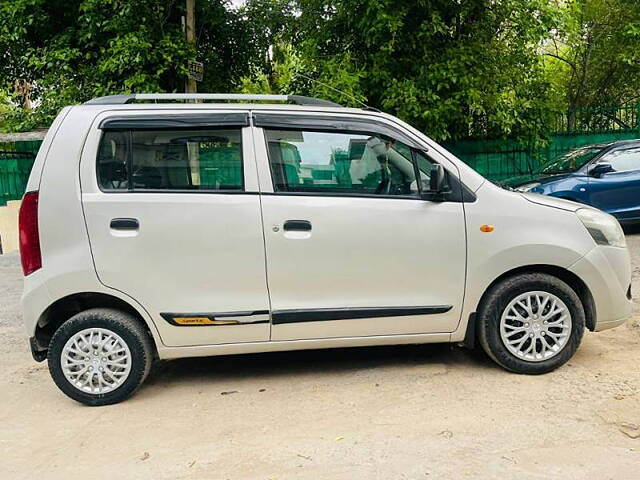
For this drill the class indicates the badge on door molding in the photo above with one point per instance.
(250, 317)
(202, 321)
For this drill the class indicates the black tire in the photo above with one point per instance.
(130, 331)
(496, 301)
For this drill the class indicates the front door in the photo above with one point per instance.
(174, 222)
(352, 249)
(618, 192)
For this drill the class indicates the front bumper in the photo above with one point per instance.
(607, 273)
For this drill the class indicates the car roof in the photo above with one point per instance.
(222, 106)
(133, 97)
(220, 100)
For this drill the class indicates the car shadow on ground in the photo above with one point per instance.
(228, 368)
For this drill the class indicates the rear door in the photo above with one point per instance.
(173, 216)
(352, 250)
(618, 192)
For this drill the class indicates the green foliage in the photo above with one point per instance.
(291, 73)
(463, 69)
(594, 58)
(75, 50)
(5, 107)
(228, 43)
(452, 69)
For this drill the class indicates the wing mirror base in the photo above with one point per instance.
(432, 196)
(438, 188)
(600, 169)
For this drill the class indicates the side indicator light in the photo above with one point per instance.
(486, 228)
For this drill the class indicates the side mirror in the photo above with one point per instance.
(600, 169)
(438, 187)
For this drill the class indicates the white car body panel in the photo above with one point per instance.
(372, 253)
(362, 253)
(607, 271)
(221, 265)
(524, 234)
(554, 202)
(175, 269)
(66, 255)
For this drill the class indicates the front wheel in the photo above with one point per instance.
(100, 356)
(531, 323)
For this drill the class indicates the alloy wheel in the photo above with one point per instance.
(535, 326)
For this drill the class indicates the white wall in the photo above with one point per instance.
(9, 226)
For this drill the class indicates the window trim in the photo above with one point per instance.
(181, 191)
(175, 121)
(342, 195)
(329, 123)
(460, 192)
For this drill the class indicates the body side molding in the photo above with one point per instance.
(324, 314)
(216, 319)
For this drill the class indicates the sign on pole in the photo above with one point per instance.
(196, 70)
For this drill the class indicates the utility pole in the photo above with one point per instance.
(190, 27)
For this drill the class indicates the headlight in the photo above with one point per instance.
(527, 187)
(603, 227)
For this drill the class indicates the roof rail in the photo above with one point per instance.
(132, 97)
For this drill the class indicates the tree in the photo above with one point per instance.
(473, 68)
(65, 52)
(452, 69)
(595, 56)
(228, 43)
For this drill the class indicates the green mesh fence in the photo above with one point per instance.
(502, 159)
(494, 159)
(220, 166)
(16, 160)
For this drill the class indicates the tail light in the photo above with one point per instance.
(28, 231)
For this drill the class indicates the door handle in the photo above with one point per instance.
(297, 225)
(125, 224)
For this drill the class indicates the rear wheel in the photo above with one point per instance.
(100, 356)
(531, 323)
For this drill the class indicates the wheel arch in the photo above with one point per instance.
(66, 307)
(570, 278)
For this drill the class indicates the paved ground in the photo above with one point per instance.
(377, 413)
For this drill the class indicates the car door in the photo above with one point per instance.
(618, 191)
(174, 222)
(352, 249)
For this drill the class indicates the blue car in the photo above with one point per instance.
(606, 176)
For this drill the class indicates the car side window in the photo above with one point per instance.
(340, 162)
(113, 154)
(623, 160)
(198, 160)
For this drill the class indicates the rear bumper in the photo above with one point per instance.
(607, 273)
(35, 300)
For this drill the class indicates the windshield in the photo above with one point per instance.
(570, 162)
